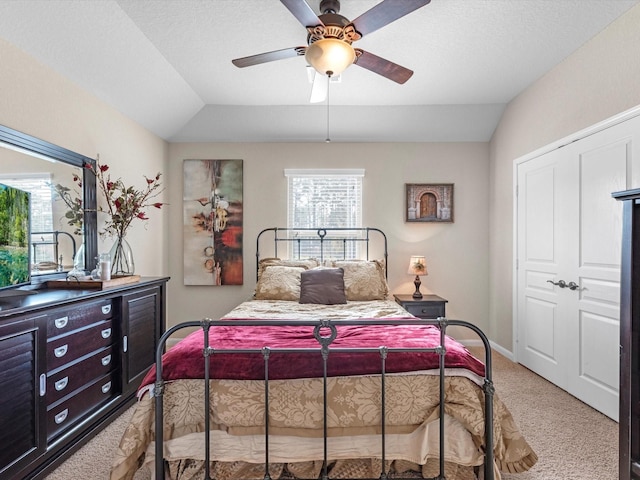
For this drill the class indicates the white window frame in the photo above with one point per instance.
(350, 180)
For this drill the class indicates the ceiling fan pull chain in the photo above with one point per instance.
(328, 139)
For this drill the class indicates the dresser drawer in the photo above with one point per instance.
(67, 348)
(63, 415)
(426, 311)
(64, 320)
(65, 381)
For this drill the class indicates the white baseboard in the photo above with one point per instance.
(494, 346)
(503, 351)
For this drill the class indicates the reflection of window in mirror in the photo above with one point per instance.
(39, 186)
(54, 241)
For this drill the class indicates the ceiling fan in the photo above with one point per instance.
(329, 39)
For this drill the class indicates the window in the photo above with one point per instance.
(325, 198)
(39, 185)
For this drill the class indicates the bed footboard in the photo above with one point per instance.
(325, 333)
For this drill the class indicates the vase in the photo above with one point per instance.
(121, 258)
(78, 259)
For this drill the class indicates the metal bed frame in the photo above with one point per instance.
(324, 238)
(54, 242)
(325, 332)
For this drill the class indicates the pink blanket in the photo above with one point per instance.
(185, 359)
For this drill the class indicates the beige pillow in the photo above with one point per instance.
(279, 283)
(364, 280)
(268, 262)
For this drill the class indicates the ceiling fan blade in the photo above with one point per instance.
(384, 13)
(268, 57)
(319, 87)
(383, 67)
(303, 12)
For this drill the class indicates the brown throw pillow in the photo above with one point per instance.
(323, 285)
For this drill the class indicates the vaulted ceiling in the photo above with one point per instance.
(167, 64)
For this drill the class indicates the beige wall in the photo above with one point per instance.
(38, 101)
(456, 253)
(598, 81)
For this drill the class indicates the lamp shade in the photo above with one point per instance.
(330, 56)
(417, 266)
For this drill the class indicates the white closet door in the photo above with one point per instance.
(569, 229)
(543, 190)
(606, 163)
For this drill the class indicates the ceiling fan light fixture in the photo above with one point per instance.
(330, 56)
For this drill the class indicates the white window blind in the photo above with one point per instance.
(325, 198)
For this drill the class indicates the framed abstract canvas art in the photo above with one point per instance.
(212, 222)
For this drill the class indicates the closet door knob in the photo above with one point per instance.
(559, 283)
(573, 286)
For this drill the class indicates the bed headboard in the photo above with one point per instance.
(328, 243)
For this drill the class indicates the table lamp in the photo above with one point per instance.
(417, 267)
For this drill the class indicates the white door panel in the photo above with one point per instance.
(539, 229)
(540, 347)
(602, 171)
(597, 378)
(600, 291)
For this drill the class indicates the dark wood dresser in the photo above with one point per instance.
(70, 362)
(629, 417)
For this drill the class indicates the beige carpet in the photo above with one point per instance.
(573, 441)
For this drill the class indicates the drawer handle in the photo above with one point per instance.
(106, 360)
(106, 333)
(43, 384)
(61, 351)
(62, 384)
(61, 322)
(106, 387)
(106, 309)
(62, 416)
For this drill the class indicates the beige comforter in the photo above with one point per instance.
(296, 416)
(284, 310)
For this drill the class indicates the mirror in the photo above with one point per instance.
(60, 237)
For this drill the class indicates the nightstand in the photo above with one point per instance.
(429, 306)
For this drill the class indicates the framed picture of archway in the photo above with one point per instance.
(429, 202)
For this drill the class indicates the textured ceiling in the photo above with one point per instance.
(167, 64)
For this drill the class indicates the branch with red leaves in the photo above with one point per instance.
(124, 203)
